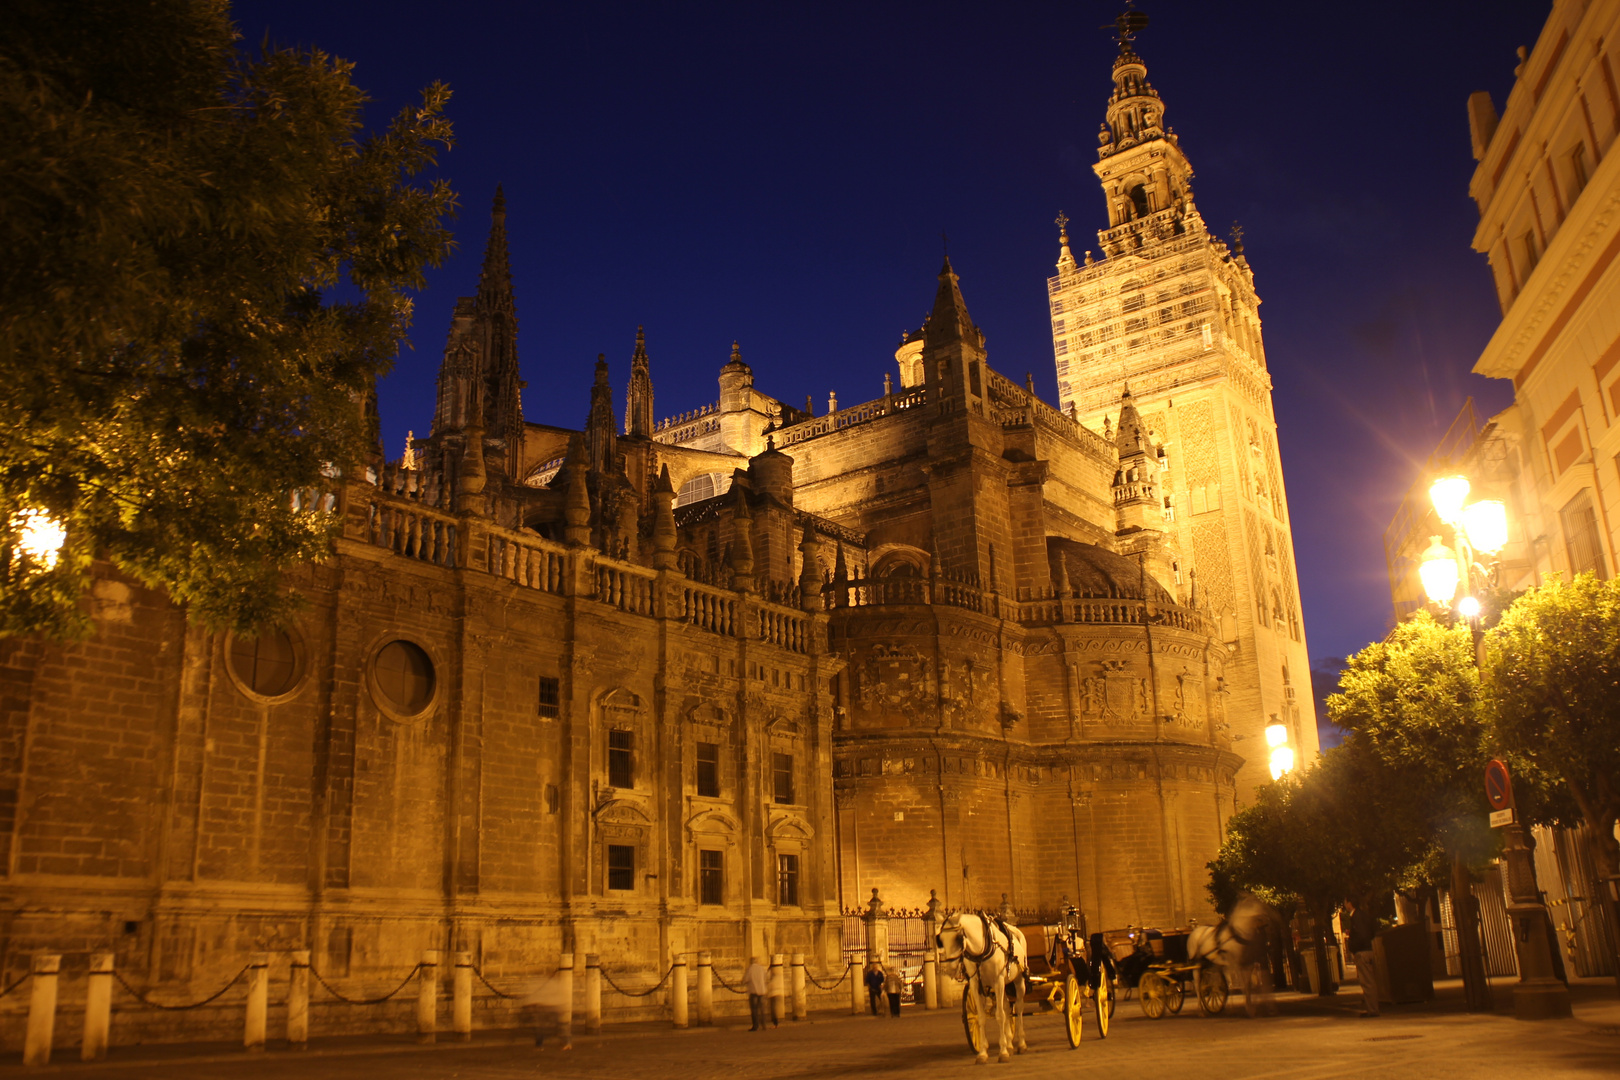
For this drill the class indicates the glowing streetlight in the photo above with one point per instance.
(39, 537)
(1282, 761)
(1468, 607)
(1485, 522)
(1448, 495)
(1438, 570)
(1276, 734)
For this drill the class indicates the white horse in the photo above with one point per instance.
(992, 958)
(1238, 945)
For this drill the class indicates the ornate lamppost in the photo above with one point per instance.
(1480, 529)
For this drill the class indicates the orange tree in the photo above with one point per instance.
(207, 265)
(1553, 705)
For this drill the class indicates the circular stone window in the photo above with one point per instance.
(268, 664)
(403, 674)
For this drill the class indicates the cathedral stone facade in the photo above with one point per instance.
(654, 687)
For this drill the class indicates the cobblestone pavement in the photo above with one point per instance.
(1311, 1039)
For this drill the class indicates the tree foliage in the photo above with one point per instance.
(207, 266)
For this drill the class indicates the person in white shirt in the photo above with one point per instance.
(754, 981)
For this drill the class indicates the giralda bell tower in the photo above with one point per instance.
(1168, 315)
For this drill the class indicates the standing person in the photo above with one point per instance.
(1363, 928)
(891, 986)
(754, 982)
(550, 1011)
(874, 986)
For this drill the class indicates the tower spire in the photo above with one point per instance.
(950, 320)
(1065, 256)
(638, 406)
(495, 280)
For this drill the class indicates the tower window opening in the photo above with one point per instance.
(1139, 200)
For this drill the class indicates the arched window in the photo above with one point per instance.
(703, 487)
(1139, 200)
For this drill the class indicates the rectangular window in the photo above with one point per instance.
(708, 769)
(621, 759)
(1062, 346)
(1581, 536)
(787, 880)
(1527, 249)
(550, 697)
(621, 866)
(1057, 326)
(1133, 303)
(782, 777)
(1577, 165)
(1057, 307)
(711, 877)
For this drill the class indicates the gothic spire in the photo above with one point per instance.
(638, 406)
(950, 320)
(601, 441)
(495, 281)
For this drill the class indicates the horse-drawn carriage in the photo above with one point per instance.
(1066, 970)
(1158, 967)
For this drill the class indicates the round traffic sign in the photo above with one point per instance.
(1498, 788)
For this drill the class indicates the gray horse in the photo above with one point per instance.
(1237, 945)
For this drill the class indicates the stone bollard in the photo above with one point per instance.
(298, 1000)
(565, 994)
(800, 1007)
(427, 997)
(931, 980)
(677, 992)
(258, 1002)
(593, 993)
(97, 1007)
(42, 1009)
(774, 988)
(705, 995)
(461, 997)
(857, 988)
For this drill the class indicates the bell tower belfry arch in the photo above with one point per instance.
(1170, 311)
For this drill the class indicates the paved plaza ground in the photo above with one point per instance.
(1309, 1038)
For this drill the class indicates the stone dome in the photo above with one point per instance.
(1097, 572)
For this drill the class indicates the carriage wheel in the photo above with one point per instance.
(1105, 1002)
(1212, 991)
(973, 1017)
(1175, 994)
(1069, 994)
(1153, 992)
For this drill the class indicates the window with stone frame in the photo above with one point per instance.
(621, 762)
(711, 877)
(1581, 540)
(787, 880)
(621, 867)
(782, 777)
(550, 699)
(708, 769)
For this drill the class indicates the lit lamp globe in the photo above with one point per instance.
(1468, 607)
(1438, 571)
(1485, 522)
(1448, 495)
(1276, 734)
(1282, 761)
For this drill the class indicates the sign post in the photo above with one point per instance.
(1538, 994)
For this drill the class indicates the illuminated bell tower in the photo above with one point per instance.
(1170, 312)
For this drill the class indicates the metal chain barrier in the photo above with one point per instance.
(819, 985)
(721, 979)
(25, 977)
(365, 1001)
(638, 993)
(209, 1000)
(498, 993)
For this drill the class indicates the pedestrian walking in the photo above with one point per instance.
(1363, 928)
(891, 986)
(754, 981)
(874, 986)
(549, 1010)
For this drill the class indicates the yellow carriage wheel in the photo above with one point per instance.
(1175, 994)
(1105, 1001)
(1154, 995)
(973, 1017)
(1212, 991)
(1072, 1004)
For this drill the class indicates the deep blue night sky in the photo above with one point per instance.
(781, 175)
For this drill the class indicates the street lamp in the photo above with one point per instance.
(1282, 755)
(1481, 527)
(39, 537)
(1438, 570)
